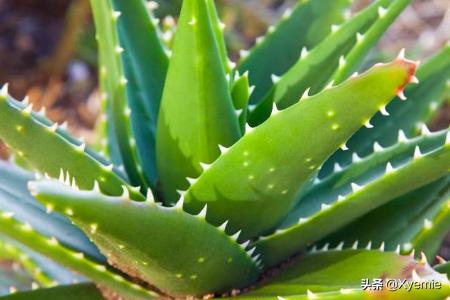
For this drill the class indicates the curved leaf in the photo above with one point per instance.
(114, 86)
(422, 100)
(197, 113)
(277, 159)
(51, 248)
(145, 64)
(394, 182)
(343, 272)
(48, 149)
(305, 26)
(180, 254)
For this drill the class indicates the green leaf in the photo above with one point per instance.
(217, 27)
(15, 197)
(240, 93)
(328, 189)
(145, 65)
(181, 254)
(113, 84)
(49, 149)
(422, 100)
(365, 42)
(197, 113)
(275, 159)
(50, 247)
(395, 181)
(343, 272)
(398, 223)
(306, 26)
(85, 291)
(314, 69)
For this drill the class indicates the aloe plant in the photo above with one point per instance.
(281, 176)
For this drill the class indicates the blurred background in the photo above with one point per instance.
(48, 50)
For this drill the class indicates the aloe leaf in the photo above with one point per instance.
(314, 69)
(422, 99)
(113, 83)
(47, 147)
(261, 194)
(85, 291)
(343, 272)
(218, 27)
(15, 197)
(365, 42)
(434, 230)
(309, 22)
(364, 197)
(197, 113)
(145, 65)
(328, 189)
(181, 254)
(404, 219)
(240, 93)
(51, 248)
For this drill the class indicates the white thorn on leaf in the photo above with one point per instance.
(402, 137)
(367, 124)
(344, 147)
(401, 54)
(359, 37)
(424, 130)
(302, 220)
(325, 206)
(340, 198)
(179, 204)
(311, 295)
(341, 61)
(354, 75)
(287, 13)
(223, 149)
(337, 167)
(275, 78)
(334, 28)
(382, 247)
(340, 246)
(355, 157)
(397, 250)
(417, 153)
(382, 11)
(377, 147)
(223, 226)
(244, 53)
(330, 84)
(401, 95)
(236, 235)
(306, 93)
(427, 224)
(116, 14)
(191, 180)
(202, 213)
(414, 79)
(205, 166)
(355, 245)
(389, 168)
(248, 128)
(275, 109)
(28, 109)
(304, 53)
(369, 245)
(4, 90)
(383, 111)
(355, 187)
